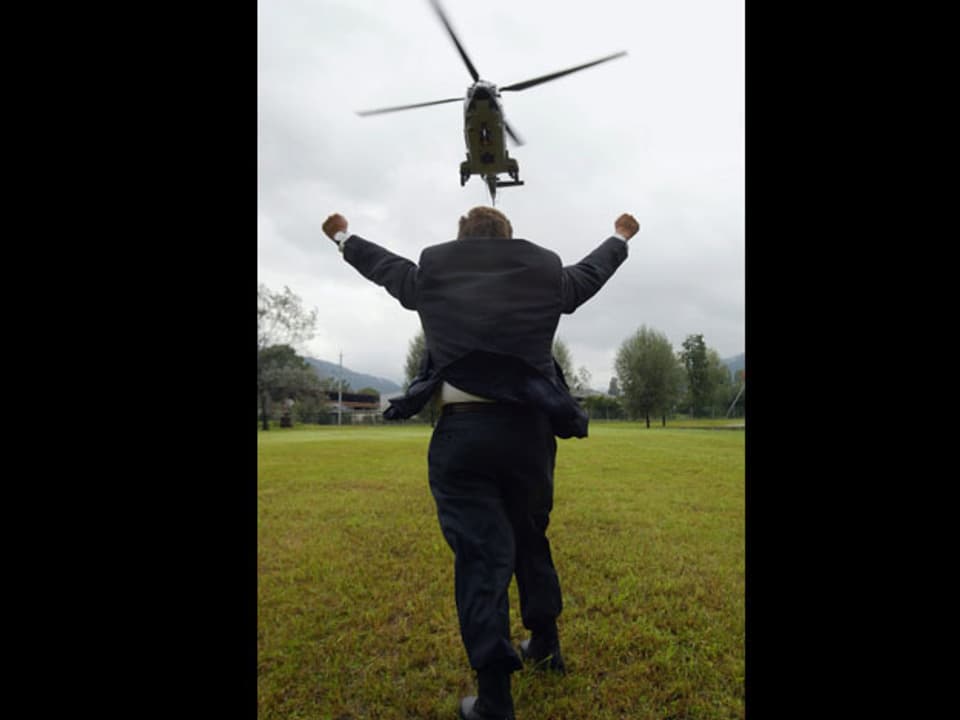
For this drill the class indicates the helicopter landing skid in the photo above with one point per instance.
(493, 182)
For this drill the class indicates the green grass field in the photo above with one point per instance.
(355, 592)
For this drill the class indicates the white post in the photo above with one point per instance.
(340, 391)
(742, 387)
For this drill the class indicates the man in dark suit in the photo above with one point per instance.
(490, 305)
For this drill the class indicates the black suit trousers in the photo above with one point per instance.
(491, 475)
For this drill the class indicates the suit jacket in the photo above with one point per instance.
(489, 309)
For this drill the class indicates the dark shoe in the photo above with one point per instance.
(545, 656)
(495, 701)
(472, 709)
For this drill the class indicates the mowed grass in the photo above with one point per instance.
(356, 609)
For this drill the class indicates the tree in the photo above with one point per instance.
(699, 380)
(583, 378)
(416, 354)
(601, 406)
(561, 353)
(722, 391)
(284, 376)
(281, 321)
(648, 374)
(281, 318)
(312, 408)
(614, 389)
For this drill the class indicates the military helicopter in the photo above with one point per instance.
(484, 124)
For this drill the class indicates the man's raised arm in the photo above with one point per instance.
(396, 274)
(581, 282)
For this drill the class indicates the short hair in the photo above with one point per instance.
(485, 222)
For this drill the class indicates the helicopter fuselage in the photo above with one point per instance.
(484, 127)
(483, 131)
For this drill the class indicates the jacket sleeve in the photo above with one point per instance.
(396, 274)
(580, 282)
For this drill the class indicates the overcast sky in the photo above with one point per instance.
(658, 133)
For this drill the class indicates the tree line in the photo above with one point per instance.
(288, 389)
(651, 380)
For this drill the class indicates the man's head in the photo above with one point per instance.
(485, 222)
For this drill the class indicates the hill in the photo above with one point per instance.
(736, 363)
(357, 380)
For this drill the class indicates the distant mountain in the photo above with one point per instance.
(357, 380)
(736, 363)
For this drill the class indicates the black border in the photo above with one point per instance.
(157, 252)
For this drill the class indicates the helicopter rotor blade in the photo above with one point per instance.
(553, 76)
(378, 111)
(513, 135)
(463, 53)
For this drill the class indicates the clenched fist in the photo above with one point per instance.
(334, 224)
(626, 225)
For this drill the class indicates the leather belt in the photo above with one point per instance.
(470, 407)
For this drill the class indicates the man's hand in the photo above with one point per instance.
(626, 225)
(334, 224)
